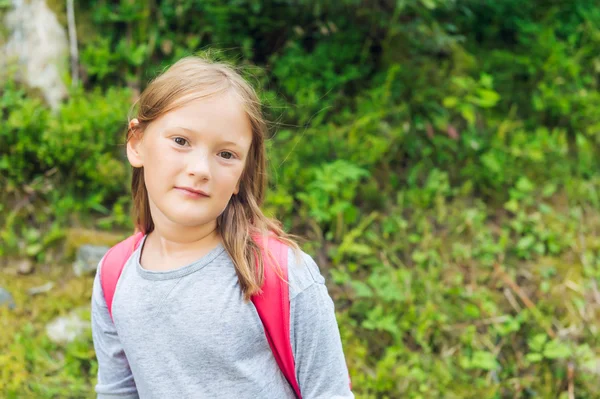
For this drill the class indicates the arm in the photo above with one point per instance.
(320, 365)
(115, 380)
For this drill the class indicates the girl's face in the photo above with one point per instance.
(193, 159)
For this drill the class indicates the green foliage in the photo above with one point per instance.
(31, 365)
(440, 157)
(55, 165)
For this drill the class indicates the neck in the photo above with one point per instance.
(172, 240)
(174, 243)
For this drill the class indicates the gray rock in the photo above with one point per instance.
(6, 299)
(88, 257)
(66, 329)
(41, 289)
(25, 266)
(38, 44)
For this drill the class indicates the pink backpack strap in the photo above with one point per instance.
(273, 307)
(113, 264)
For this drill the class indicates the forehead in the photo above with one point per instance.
(222, 115)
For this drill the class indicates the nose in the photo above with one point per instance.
(198, 165)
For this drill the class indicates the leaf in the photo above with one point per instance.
(34, 249)
(484, 361)
(487, 98)
(472, 311)
(537, 342)
(534, 357)
(419, 257)
(526, 243)
(450, 102)
(557, 350)
(377, 320)
(512, 206)
(525, 185)
(359, 249)
(486, 80)
(362, 290)
(468, 113)
(430, 4)
(491, 162)
(549, 190)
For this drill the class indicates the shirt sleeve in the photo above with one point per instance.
(115, 380)
(320, 364)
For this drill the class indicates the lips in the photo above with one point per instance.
(192, 191)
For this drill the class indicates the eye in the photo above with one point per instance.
(180, 141)
(226, 154)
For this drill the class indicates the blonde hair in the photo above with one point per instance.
(189, 79)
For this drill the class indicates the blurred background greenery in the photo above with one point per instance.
(439, 156)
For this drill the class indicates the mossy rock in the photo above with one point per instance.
(76, 237)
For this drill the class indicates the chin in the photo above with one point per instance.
(187, 220)
(185, 215)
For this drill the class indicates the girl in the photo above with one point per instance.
(182, 325)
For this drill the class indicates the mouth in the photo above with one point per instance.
(192, 192)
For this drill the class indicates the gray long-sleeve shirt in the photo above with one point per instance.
(187, 333)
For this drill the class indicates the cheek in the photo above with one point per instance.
(228, 179)
(161, 168)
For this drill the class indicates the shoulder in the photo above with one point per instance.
(113, 262)
(118, 255)
(303, 272)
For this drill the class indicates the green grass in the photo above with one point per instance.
(31, 366)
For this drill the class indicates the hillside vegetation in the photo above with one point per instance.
(440, 157)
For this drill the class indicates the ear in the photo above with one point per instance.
(134, 144)
(236, 190)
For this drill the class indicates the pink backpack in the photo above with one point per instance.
(273, 304)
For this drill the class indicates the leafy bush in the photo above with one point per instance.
(439, 156)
